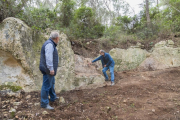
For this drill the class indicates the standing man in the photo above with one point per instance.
(48, 66)
(107, 63)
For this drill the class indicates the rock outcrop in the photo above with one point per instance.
(163, 56)
(20, 54)
(128, 59)
(87, 74)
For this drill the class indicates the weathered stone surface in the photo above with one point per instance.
(163, 56)
(62, 100)
(20, 55)
(128, 59)
(87, 74)
(15, 48)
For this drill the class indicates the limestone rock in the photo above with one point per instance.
(160, 44)
(36, 104)
(62, 100)
(45, 113)
(12, 110)
(16, 103)
(168, 43)
(20, 49)
(14, 94)
(20, 52)
(28, 96)
(15, 52)
(162, 57)
(87, 74)
(128, 59)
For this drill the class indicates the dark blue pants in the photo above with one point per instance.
(47, 89)
(111, 68)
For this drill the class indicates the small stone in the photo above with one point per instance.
(124, 101)
(29, 104)
(153, 110)
(15, 94)
(12, 110)
(61, 100)
(37, 104)
(87, 43)
(45, 113)
(108, 109)
(16, 103)
(19, 112)
(5, 115)
(29, 96)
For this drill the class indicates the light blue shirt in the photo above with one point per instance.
(49, 49)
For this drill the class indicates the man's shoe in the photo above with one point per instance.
(106, 80)
(112, 83)
(57, 98)
(49, 107)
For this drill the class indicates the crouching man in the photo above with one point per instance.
(107, 63)
(48, 66)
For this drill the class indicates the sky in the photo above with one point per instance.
(135, 5)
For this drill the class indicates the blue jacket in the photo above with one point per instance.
(105, 60)
(43, 64)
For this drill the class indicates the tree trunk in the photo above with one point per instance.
(147, 13)
(158, 5)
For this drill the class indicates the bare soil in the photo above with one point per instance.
(151, 95)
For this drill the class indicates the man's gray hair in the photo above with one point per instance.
(54, 35)
(102, 51)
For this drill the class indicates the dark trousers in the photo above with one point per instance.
(47, 89)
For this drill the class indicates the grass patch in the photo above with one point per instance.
(12, 87)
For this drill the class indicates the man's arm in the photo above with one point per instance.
(97, 59)
(49, 49)
(110, 60)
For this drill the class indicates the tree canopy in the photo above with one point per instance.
(93, 19)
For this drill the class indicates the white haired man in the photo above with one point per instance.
(107, 63)
(48, 66)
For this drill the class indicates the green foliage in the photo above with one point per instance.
(39, 18)
(67, 10)
(92, 19)
(11, 87)
(85, 25)
(9, 8)
(124, 22)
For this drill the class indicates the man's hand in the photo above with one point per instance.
(90, 63)
(104, 65)
(52, 72)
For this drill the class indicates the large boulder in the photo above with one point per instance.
(87, 74)
(20, 50)
(163, 56)
(16, 45)
(128, 59)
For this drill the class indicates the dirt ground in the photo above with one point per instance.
(151, 95)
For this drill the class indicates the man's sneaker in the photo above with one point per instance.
(106, 80)
(49, 107)
(57, 98)
(112, 83)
